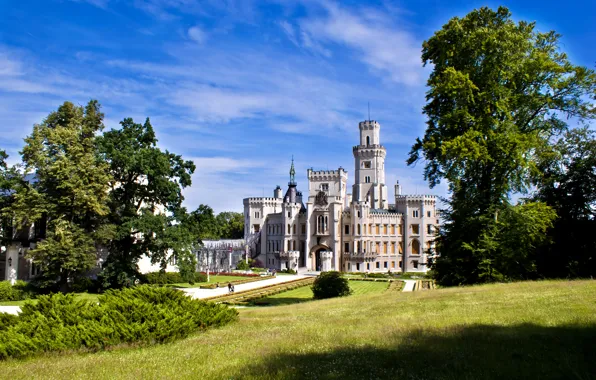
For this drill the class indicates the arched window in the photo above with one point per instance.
(415, 247)
(359, 229)
(367, 140)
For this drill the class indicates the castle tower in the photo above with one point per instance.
(369, 167)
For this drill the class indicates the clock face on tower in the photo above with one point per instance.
(321, 199)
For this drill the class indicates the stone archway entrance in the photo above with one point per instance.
(321, 258)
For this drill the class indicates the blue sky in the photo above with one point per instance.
(239, 86)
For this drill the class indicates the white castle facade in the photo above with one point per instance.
(334, 230)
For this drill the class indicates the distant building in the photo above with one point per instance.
(334, 230)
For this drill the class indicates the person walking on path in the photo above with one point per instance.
(230, 288)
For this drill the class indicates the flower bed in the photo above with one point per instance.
(234, 274)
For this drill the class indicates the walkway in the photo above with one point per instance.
(10, 309)
(409, 285)
(207, 293)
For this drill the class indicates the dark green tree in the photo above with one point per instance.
(568, 184)
(204, 223)
(230, 225)
(69, 191)
(145, 201)
(497, 93)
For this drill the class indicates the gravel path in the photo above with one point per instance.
(409, 285)
(206, 293)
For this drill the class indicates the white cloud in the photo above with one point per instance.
(385, 48)
(289, 31)
(196, 34)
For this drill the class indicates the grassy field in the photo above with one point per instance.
(88, 296)
(304, 293)
(531, 330)
(212, 280)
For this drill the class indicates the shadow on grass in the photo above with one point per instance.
(465, 352)
(279, 301)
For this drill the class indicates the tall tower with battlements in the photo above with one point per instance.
(369, 167)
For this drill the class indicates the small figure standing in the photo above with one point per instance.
(230, 287)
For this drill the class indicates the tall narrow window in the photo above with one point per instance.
(367, 140)
(346, 247)
(415, 213)
(429, 229)
(294, 229)
(415, 247)
(415, 229)
(347, 229)
(359, 229)
(289, 230)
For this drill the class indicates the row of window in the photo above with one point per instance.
(385, 247)
(387, 229)
(291, 245)
(386, 265)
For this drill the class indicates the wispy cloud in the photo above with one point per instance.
(381, 44)
(196, 34)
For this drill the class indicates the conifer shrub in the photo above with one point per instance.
(330, 284)
(17, 292)
(142, 314)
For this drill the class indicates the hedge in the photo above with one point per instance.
(234, 282)
(164, 278)
(16, 292)
(143, 314)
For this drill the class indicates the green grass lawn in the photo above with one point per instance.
(88, 296)
(529, 330)
(304, 293)
(212, 279)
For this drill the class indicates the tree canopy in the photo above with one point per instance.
(498, 92)
(145, 200)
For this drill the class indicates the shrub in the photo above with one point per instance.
(163, 278)
(17, 292)
(85, 284)
(143, 314)
(200, 277)
(329, 285)
(7, 320)
(289, 271)
(242, 265)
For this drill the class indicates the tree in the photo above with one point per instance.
(69, 190)
(329, 285)
(145, 200)
(568, 185)
(230, 225)
(204, 223)
(497, 93)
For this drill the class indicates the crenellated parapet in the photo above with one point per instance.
(326, 175)
(426, 199)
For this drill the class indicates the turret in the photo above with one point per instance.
(277, 192)
(397, 188)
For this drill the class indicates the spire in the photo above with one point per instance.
(292, 172)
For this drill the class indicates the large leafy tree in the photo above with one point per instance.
(68, 190)
(497, 93)
(230, 224)
(145, 200)
(568, 185)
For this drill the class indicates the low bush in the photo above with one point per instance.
(165, 278)
(85, 284)
(235, 274)
(17, 292)
(288, 271)
(7, 320)
(330, 284)
(376, 275)
(242, 265)
(142, 314)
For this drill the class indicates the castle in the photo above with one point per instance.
(334, 230)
